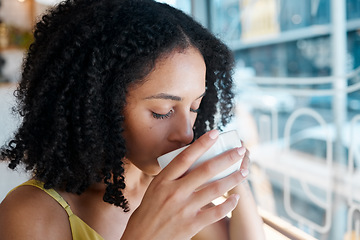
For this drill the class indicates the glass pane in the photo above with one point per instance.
(288, 111)
(183, 5)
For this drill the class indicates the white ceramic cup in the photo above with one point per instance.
(226, 141)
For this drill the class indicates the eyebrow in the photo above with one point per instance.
(169, 97)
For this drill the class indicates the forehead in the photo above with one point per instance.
(178, 73)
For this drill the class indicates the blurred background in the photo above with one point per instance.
(297, 80)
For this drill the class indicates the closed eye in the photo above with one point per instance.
(195, 110)
(167, 115)
(162, 116)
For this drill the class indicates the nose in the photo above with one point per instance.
(181, 131)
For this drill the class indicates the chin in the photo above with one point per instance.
(155, 171)
(151, 170)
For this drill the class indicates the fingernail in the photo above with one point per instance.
(214, 134)
(241, 150)
(237, 197)
(244, 172)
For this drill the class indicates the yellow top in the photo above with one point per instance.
(79, 229)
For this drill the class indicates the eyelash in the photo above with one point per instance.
(195, 110)
(167, 115)
(162, 116)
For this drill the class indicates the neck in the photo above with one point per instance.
(136, 181)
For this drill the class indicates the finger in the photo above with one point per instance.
(209, 169)
(216, 189)
(245, 165)
(181, 163)
(215, 213)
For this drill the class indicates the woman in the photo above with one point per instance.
(107, 87)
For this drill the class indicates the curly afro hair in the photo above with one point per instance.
(72, 93)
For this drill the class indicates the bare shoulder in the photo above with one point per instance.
(30, 213)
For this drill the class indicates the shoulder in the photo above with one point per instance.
(30, 213)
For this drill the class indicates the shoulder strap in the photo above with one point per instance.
(55, 195)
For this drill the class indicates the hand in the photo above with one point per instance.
(172, 205)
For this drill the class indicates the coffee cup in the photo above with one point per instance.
(225, 141)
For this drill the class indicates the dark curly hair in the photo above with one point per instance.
(71, 97)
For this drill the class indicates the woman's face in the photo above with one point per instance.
(161, 112)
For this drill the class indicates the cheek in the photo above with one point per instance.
(140, 132)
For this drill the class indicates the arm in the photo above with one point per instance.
(245, 223)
